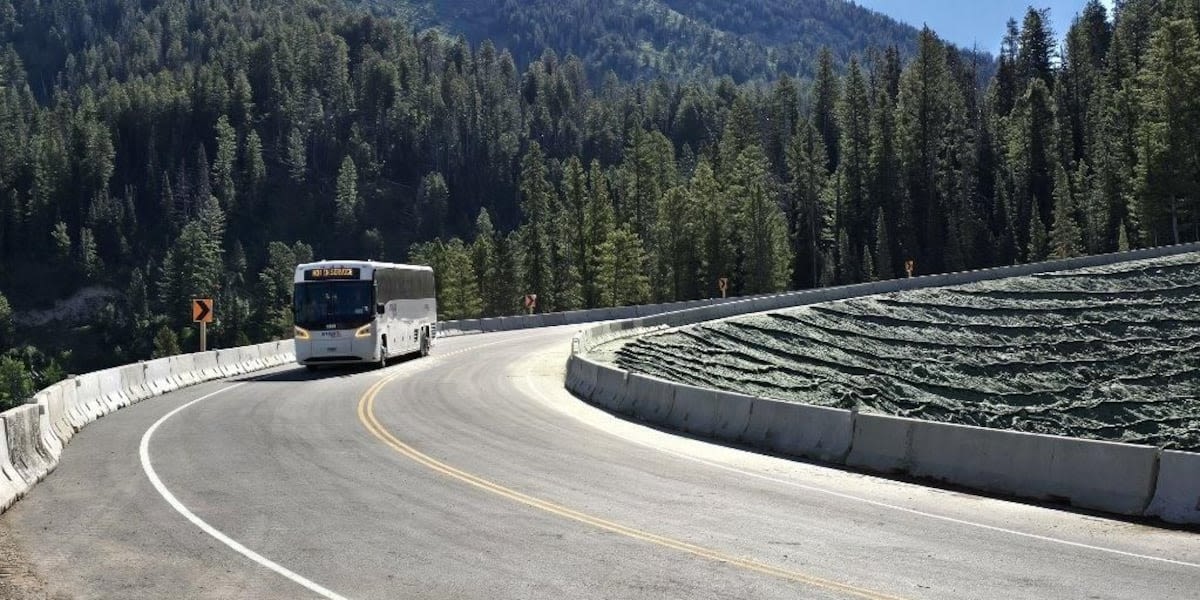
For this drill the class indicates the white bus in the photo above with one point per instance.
(349, 311)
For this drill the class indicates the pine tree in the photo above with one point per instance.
(166, 343)
(223, 166)
(761, 229)
(854, 122)
(677, 257)
(1168, 184)
(1065, 239)
(715, 229)
(535, 232)
(483, 259)
(623, 269)
(460, 290)
(884, 268)
(433, 205)
(826, 94)
(868, 266)
(88, 259)
(297, 156)
(346, 200)
(599, 224)
(1036, 45)
(1038, 241)
(255, 167)
(809, 214)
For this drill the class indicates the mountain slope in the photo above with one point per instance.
(744, 39)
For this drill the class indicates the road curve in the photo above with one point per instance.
(473, 474)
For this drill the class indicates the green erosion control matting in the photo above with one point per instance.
(1110, 353)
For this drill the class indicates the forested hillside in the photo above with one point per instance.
(158, 151)
(696, 39)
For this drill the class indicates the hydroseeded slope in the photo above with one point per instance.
(1106, 353)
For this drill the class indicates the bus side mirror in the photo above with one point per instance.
(381, 308)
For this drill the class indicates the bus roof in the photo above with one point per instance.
(367, 268)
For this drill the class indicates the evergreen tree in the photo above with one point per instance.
(761, 229)
(599, 225)
(223, 166)
(715, 229)
(483, 260)
(433, 204)
(883, 250)
(16, 383)
(677, 257)
(622, 273)
(809, 214)
(166, 343)
(346, 200)
(1038, 242)
(856, 209)
(536, 241)
(1168, 185)
(826, 94)
(1065, 239)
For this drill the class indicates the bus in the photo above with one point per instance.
(349, 311)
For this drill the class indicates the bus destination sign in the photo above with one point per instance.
(324, 273)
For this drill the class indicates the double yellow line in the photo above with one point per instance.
(366, 414)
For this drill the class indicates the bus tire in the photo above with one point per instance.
(311, 368)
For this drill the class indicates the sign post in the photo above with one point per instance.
(723, 285)
(202, 313)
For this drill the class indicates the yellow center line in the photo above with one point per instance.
(366, 414)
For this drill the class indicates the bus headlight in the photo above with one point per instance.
(301, 333)
(364, 331)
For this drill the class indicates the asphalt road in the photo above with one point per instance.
(473, 474)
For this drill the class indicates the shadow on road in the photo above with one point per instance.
(298, 373)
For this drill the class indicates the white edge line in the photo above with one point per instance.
(144, 452)
(536, 390)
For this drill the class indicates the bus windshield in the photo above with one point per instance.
(329, 302)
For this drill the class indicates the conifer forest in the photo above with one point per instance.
(156, 151)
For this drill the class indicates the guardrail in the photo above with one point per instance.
(1125, 479)
(573, 317)
(32, 436)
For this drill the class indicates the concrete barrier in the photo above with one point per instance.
(693, 409)
(814, 432)
(56, 410)
(63, 424)
(133, 381)
(50, 441)
(1092, 474)
(22, 427)
(88, 406)
(610, 387)
(647, 398)
(1177, 493)
(158, 376)
(733, 416)
(581, 376)
(880, 443)
(12, 485)
(111, 398)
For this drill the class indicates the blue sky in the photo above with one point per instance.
(968, 23)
